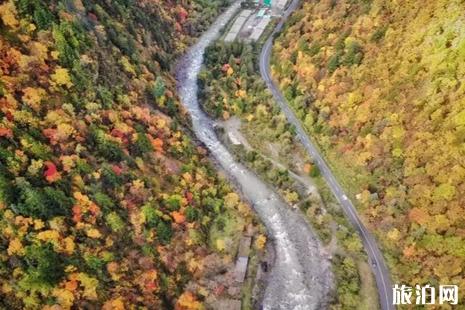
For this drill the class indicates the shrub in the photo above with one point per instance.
(315, 171)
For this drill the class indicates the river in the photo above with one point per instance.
(301, 277)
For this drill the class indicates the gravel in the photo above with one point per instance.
(301, 277)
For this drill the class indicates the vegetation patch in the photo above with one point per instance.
(385, 109)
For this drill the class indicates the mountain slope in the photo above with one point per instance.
(379, 86)
(104, 199)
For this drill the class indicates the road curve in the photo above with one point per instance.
(301, 277)
(378, 264)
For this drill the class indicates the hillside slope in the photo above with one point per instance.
(378, 84)
(104, 199)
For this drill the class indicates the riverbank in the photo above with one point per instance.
(341, 243)
(301, 277)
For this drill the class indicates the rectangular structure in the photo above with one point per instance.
(237, 25)
(260, 28)
(241, 268)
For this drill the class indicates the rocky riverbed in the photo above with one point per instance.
(301, 277)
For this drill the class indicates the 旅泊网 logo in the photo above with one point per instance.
(425, 295)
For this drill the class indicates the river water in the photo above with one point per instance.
(301, 276)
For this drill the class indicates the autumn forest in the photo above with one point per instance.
(379, 85)
(104, 198)
(109, 199)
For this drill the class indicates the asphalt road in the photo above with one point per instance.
(377, 262)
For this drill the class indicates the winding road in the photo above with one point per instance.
(378, 264)
(301, 276)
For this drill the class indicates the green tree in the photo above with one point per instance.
(115, 222)
(164, 232)
(44, 265)
(158, 88)
(42, 203)
(142, 144)
(334, 62)
(192, 214)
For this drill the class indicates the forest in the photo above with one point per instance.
(105, 199)
(379, 86)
